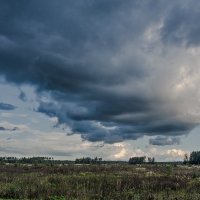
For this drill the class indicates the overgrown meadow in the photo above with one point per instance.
(100, 182)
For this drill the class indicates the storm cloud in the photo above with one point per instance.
(8, 129)
(6, 126)
(22, 96)
(109, 70)
(6, 106)
(181, 24)
(162, 141)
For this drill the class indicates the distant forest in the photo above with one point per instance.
(193, 158)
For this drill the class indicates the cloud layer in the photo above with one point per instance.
(6, 106)
(161, 141)
(109, 70)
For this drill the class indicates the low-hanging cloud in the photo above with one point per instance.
(162, 141)
(106, 68)
(22, 96)
(6, 106)
(6, 126)
(181, 24)
(8, 129)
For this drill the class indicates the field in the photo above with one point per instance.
(110, 182)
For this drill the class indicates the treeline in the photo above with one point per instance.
(193, 159)
(141, 160)
(88, 160)
(33, 160)
(84, 160)
(49, 160)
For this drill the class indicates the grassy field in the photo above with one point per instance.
(111, 182)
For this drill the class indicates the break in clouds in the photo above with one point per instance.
(110, 70)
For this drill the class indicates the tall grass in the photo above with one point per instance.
(99, 182)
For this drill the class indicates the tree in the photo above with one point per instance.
(88, 160)
(195, 158)
(186, 160)
(151, 160)
(137, 160)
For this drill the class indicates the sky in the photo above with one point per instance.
(108, 78)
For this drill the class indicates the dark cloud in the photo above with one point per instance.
(162, 141)
(108, 128)
(181, 24)
(2, 129)
(93, 62)
(22, 96)
(5, 106)
(8, 129)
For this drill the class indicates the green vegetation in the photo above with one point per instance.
(88, 160)
(141, 160)
(33, 160)
(94, 179)
(100, 182)
(195, 158)
(137, 160)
